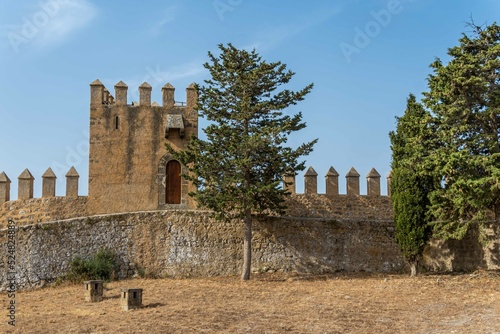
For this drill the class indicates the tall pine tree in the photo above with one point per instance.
(464, 98)
(238, 170)
(411, 183)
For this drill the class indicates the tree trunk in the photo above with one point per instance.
(247, 247)
(497, 211)
(413, 268)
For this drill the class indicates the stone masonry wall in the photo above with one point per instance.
(190, 243)
(38, 210)
(319, 234)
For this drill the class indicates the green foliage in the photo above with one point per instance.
(240, 167)
(410, 204)
(102, 266)
(411, 182)
(464, 98)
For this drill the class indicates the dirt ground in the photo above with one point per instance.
(271, 303)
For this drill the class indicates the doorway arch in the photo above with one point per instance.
(173, 182)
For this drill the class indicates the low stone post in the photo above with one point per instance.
(93, 291)
(4, 188)
(131, 299)
(332, 182)
(352, 182)
(311, 181)
(49, 183)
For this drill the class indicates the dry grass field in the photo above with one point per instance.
(272, 303)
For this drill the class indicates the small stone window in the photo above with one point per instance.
(117, 122)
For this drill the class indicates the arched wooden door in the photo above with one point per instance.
(173, 182)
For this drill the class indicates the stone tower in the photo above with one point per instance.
(129, 167)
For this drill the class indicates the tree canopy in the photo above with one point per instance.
(464, 99)
(411, 185)
(238, 170)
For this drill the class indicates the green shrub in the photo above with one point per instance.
(101, 266)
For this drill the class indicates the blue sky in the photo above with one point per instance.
(364, 58)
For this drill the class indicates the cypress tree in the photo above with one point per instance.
(238, 170)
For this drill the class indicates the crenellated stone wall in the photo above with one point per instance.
(354, 233)
(189, 243)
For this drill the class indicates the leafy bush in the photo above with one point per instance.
(102, 265)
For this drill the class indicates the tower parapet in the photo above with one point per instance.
(121, 93)
(128, 164)
(191, 96)
(96, 93)
(145, 94)
(168, 95)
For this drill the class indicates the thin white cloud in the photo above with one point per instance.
(68, 19)
(168, 15)
(270, 38)
(48, 23)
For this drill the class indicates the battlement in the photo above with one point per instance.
(130, 169)
(26, 185)
(332, 182)
(128, 164)
(100, 95)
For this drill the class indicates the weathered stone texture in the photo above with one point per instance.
(38, 210)
(289, 182)
(332, 182)
(188, 243)
(93, 291)
(49, 183)
(4, 188)
(131, 299)
(72, 182)
(25, 185)
(352, 182)
(319, 234)
(373, 183)
(378, 208)
(127, 150)
(311, 181)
